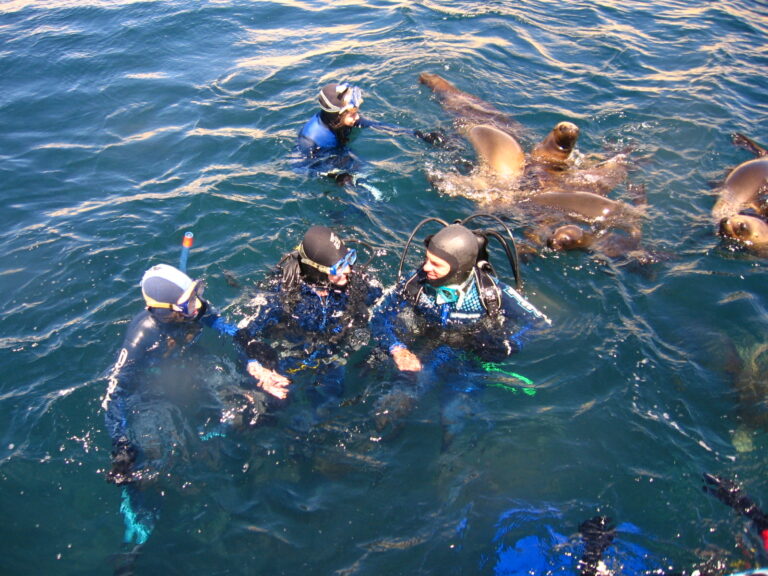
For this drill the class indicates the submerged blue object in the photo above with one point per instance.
(138, 527)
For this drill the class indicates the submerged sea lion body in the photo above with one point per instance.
(587, 206)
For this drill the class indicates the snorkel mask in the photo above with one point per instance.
(322, 253)
(337, 269)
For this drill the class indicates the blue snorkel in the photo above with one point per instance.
(186, 244)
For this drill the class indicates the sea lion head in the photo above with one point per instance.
(748, 230)
(556, 148)
(568, 237)
(565, 135)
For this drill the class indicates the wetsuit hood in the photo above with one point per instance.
(459, 247)
(167, 289)
(321, 247)
(337, 98)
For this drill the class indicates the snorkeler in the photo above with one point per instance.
(456, 300)
(339, 113)
(311, 317)
(155, 380)
(324, 138)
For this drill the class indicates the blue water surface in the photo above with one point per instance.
(125, 123)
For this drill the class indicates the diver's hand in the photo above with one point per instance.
(730, 493)
(269, 380)
(123, 459)
(405, 359)
(436, 137)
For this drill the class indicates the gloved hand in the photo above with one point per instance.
(224, 327)
(436, 137)
(123, 458)
(728, 492)
(597, 533)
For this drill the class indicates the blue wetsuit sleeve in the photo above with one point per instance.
(266, 311)
(213, 319)
(385, 127)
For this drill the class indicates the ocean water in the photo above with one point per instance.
(124, 124)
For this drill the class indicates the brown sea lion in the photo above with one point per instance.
(469, 110)
(498, 151)
(591, 207)
(614, 244)
(749, 231)
(570, 237)
(552, 164)
(556, 149)
(743, 189)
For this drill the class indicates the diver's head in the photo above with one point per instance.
(170, 294)
(340, 104)
(324, 258)
(451, 255)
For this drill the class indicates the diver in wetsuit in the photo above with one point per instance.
(154, 382)
(454, 302)
(324, 138)
(313, 315)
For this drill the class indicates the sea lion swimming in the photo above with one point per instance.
(556, 149)
(749, 231)
(467, 109)
(551, 165)
(743, 189)
(590, 207)
(498, 151)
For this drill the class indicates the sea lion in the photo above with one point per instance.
(570, 237)
(552, 165)
(498, 151)
(749, 231)
(611, 243)
(743, 189)
(468, 110)
(556, 149)
(589, 207)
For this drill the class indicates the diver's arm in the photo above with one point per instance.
(730, 493)
(262, 359)
(213, 319)
(520, 317)
(385, 334)
(143, 334)
(435, 137)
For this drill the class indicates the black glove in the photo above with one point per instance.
(598, 535)
(728, 492)
(123, 458)
(436, 137)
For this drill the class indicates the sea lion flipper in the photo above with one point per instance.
(499, 151)
(740, 139)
